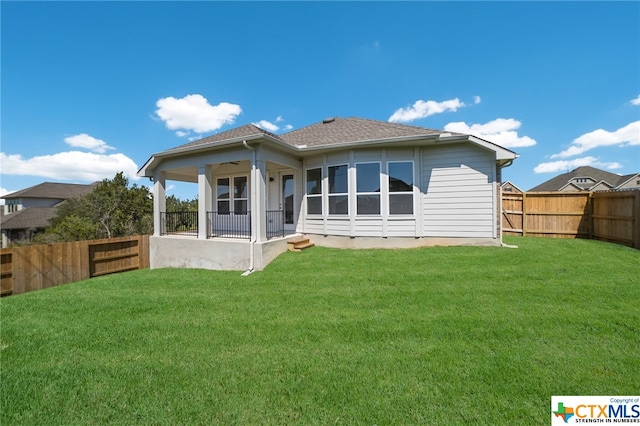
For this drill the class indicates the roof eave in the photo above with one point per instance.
(155, 159)
(366, 142)
(628, 180)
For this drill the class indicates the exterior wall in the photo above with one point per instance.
(16, 204)
(213, 254)
(397, 242)
(601, 186)
(39, 202)
(196, 253)
(509, 188)
(459, 195)
(353, 225)
(631, 183)
(456, 194)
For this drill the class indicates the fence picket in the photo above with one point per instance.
(36, 267)
(608, 215)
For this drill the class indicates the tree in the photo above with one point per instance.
(112, 209)
(175, 204)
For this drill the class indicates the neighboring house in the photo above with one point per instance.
(510, 188)
(343, 182)
(28, 211)
(587, 178)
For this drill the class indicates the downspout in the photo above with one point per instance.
(253, 203)
(503, 244)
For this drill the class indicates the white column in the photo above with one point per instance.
(159, 202)
(258, 204)
(204, 200)
(352, 191)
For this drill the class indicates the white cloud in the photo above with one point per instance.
(477, 100)
(271, 127)
(193, 112)
(635, 101)
(628, 135)
(71, 166)
(566, 165)
(83, 140)
(181, 134)
(501, 131)
(267, 125)
(423, 109)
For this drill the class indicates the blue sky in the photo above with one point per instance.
(92, 88)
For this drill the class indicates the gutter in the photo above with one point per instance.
(253, 203)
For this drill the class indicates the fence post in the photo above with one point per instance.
(636, 220)
(524, 214)
(590, 206)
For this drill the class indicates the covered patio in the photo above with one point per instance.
(249, 197)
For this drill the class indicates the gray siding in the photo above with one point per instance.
(458, 192)
(455, 195)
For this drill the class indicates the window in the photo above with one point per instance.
(401, 187)
(368, 188)
(222, 185)
(12, 205)
(240, 197)
(338, 189)
(314, 191)
(225, 199)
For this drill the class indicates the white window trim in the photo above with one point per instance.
(412, 192)
(379, 194)
(232, 198)
(320, 195)
(337, 194)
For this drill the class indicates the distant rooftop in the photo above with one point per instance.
(558, 182)
(53, 190)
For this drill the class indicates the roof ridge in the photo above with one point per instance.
(394, 124)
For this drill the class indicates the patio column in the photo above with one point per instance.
(258, 204)
(159, 202)
(204, 200)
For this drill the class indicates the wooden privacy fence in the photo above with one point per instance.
(36, 267)
(610, 216)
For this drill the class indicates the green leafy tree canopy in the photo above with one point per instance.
(113, 209)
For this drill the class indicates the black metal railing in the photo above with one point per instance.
(220, 224)
(275, 223)
(229, 224)
(179, 223)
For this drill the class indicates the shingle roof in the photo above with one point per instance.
(53, 190)
(327, 132)
(556, 183)
(31, 217)
(352, 129)
(235, 133)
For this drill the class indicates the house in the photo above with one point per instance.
(510, 188)
(342, 182)
(587, 178)
(28, 211)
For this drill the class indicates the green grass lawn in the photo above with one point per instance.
(444, 335)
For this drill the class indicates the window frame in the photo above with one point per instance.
(314, 195)
(391, 194)
(369, 193)
(231, 200)
(335, 195)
